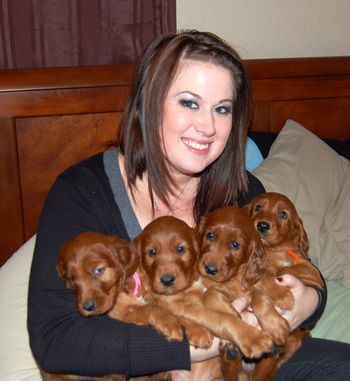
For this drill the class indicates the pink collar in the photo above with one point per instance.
(137, 281)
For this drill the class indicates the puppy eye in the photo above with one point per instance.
(235, 245)
(98, 270)
(282, 214)
(180, 249)
(258, 208)
(211, 236)
(152, 252)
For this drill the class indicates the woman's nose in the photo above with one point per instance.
(205, 123)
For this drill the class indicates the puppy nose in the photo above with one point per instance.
(167, 280)
(263, 226)
(89, 305)
(211, 269)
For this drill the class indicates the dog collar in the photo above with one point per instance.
(137, 282)
(294, 255)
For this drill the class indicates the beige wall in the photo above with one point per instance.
(273, 28)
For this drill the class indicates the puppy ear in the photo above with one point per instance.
(302, 238)
(256, 263)
(130, 261)
(126, 258)
(248, 208)
(61, 269)
(196, 241)
(63, 273)
(202, 224)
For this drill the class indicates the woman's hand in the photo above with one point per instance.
(198, 354)
(305, 300)
(305, 303)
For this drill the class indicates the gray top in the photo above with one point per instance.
(112, 169)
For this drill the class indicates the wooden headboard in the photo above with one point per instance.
(53, 117)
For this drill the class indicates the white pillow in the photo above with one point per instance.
(317, 180)
(334, 323)
(16, 359)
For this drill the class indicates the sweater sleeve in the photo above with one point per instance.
(62, 341)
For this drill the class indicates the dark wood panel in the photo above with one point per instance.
(11, 221)
(301, 88)
(298, 67)
(66, 77)
(327, 118)
(66, 101)
(48, 145)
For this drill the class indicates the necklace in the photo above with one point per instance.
(171, 207)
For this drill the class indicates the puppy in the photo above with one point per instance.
(286, 247)
(232, 264)
(284, 238)
(98, 267)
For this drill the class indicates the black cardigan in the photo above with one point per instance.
(62, 341)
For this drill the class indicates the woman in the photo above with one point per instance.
(182, 154)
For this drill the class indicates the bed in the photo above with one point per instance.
(53, 117)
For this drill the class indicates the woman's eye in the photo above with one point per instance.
(152, 252)
(180, 249)
(98, 270)
(211, 236)
(188, 103)
(224, 110)
(234, 245)
(282, 214)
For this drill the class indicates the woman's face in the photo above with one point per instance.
(197, 116)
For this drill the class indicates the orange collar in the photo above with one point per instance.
(294, 255)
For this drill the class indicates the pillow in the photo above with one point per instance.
(253, 156)
(317, 180)
(16, 359)
(334, 322)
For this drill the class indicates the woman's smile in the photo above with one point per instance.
(196, 146)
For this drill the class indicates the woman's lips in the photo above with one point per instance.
(195, 145)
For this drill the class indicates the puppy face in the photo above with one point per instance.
(96, 266)
(277, 222)
(168, 249)
(230, 246)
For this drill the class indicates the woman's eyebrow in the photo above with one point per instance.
(199, 97)
(190, 93)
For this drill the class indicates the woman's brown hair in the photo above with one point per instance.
(222, 182)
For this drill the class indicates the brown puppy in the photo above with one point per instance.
(98, 267)
(286, 246)
(284, 238)
(169, 249)
(232, 265)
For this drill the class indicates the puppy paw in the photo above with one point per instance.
(173, 332)
(285, 301)
(256, 343)
(278, 328)
(198, 336)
